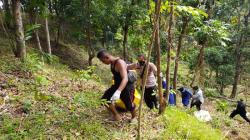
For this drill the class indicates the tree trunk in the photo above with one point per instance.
(183, 31)
(47, 35)
(238, 66)
(125, 32)
(159, 78)
(125, 41)
(91, 52)
(33, 20)
(58, 32)
(199, 68)
(8, 33)
(169, 42)
(154, 51)
(19, 31)
(8, 14)
(146, 69)
(38, 43)
(104, 38)
(222, 89)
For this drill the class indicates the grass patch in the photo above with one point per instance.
(180, 125)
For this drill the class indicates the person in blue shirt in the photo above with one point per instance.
(172, 94)
(172, 97)
(186, 95)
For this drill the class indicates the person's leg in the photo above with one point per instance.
(153, 98)
(175, 99)
(127, 96)
(192, 104)
(244, 116)
(234, 113)
(114, 112)
(147, 98)
(110, 106)
(198, 105)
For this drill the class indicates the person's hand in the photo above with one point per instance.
(116, 95)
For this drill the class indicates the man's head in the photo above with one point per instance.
(195, 88)
(104, 56)
(141, 59)
(181, 89)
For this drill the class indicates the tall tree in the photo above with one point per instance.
(47, 35)
(91, 51)
(8, 13)
(46, 22)
(179, 46)
(158, 55)
(159, 76)
(169, 46)
(238, 67)
(156, 20)
(33, 7)
(19, 31)
(126, 26)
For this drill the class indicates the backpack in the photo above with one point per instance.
(132, 77)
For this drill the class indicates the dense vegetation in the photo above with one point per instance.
(49, 71)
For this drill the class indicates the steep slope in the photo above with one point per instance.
(50, 101)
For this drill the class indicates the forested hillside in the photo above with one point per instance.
(53, 73)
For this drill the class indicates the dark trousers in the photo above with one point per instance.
(243, 114)
(150, 97)
(197, 104)
(127, 95)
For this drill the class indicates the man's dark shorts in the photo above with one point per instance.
(127, 95)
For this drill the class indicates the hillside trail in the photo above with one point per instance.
(239, 129)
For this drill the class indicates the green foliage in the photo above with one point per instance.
(5, 64)
(211, 92)
(29, 29)
(221, 120)
(50, 59)
(222, 106)
(220, 60)
(31, 63)
(27, 104)
(87, 74)
(87, 100)
(41, 80)
(180, 125)
(213, 32)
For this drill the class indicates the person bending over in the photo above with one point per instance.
(197, 98)
(186, 95)
(121, 89)
(241, 110)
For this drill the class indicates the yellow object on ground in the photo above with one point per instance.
(119, 103)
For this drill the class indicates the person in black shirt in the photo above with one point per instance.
(121, 89)
(241, 110)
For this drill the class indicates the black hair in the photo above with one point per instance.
(102, 53)
(141, 55)
(181, 89)
(195, 88)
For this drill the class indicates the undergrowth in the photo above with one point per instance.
(180, 125)
(50, 101)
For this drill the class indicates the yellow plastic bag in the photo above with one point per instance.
(119, 103)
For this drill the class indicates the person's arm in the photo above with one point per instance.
(195, 95)
(153, 68)
(132, 66)
(122, 69)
